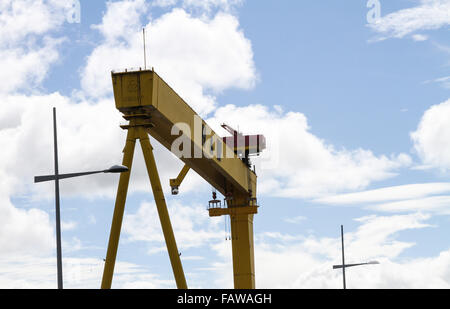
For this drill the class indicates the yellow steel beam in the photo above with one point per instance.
(243, 251)
(245, 210)
(162, 211)
(241, 218)
(175, 183)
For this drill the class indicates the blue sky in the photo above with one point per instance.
(348, 107)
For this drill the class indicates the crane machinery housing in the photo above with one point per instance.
(152, 107)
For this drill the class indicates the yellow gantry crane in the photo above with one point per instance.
(152, 107)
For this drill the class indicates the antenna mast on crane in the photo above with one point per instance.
(145, 51)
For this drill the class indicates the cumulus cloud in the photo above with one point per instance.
(442, 81)
(432, 204)
(201, 5)
(200, 57)
(425, 197)
(432, 137)
(25, 69)
(24, 231)
(374, 239)
(27, 46)
(32, 272)
(197, 57)
(395, 193)
(419, 37)
(121, 20)
(88, 131)
(299, 164)
(201, 54)
(89, 139)
(23, 19)
(191, 224)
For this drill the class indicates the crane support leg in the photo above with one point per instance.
(119, 209)
(136, 130)
(162, 211)
(243, 251)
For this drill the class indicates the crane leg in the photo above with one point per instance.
(163, 213)
(243, 251)
(119, 209)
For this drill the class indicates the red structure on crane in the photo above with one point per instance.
(244, 145)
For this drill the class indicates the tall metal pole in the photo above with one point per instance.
(343, 258)
(57, 207)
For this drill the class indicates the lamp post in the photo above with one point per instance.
(344, 266)
(56, 177)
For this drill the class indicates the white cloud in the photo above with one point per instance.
(122, 20)
(295, 220)
(24, 231)
(419, 37)
(432, 137)
(68, 225)
(432, 204)
(20, 19)
(27, 48)
(25, 69)
(89, 139)
(201, 5)
(299, 164)
(191, 224)
(374, 239)
(86, 134)
(376, 236)
(32, 272)
(198, 57)
(426, 197)
(404, 192)
(442, 81)
(88, 130)
(428, 15)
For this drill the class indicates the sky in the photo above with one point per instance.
(352, 96)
